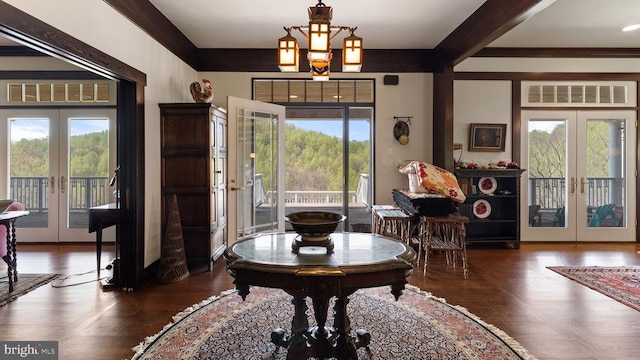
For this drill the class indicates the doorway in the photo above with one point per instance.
(328, 161)
(580, 181)
(58, 165)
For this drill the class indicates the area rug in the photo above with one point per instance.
(620, 283)
(25, 284)
(418, 326)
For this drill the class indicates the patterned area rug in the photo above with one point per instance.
(418, 326)
(25, 283)
(620, 283)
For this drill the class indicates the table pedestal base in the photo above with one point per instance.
(327, 344)
(322, 342)
(299, 242)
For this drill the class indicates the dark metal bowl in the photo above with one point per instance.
(314, 225)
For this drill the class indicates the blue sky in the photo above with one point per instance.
(358, 130)
(39, 128)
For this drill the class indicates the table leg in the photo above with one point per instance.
(346, 345)
(99, 247)
(14, 253)
(296, 344)
(8, 257)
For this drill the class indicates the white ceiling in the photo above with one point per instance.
(400, 24)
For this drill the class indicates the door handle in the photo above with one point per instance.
(573, 185)
(582, 182)
(62, 184)
(52, 185)
(234, 188)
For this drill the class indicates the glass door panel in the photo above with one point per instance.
(359, 184)
(546, 172)
(314, 160)
(605, 184)
(89, 144)
(256, 169)
(30, 180)
(328, 162)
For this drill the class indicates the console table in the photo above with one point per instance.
(101, 217)
(8, 220)
(358, 261)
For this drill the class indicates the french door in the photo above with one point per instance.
(580, 178)
(58, 165)
(256, 168)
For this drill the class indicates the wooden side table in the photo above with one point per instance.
(394, 223)
(444, 233)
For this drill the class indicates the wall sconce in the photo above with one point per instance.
(319, 34)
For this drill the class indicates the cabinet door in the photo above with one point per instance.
(218, 202)
(492, 208)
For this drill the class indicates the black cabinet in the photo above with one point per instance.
(492, 205)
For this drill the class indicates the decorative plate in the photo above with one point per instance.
(487, 185)
(481, 209)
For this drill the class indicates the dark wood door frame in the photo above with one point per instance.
(25, 29)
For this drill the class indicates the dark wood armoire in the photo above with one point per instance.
(193, 142)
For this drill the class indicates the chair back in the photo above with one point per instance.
(601, 213)
(534, 211)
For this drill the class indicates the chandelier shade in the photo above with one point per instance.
(319, 34)
(288, 54)
(352, 53)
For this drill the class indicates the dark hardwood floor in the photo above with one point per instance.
(551, 316)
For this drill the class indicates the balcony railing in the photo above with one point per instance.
(550, 193)
(84, 192)
(313, 198)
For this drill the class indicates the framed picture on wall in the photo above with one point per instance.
(487, 137)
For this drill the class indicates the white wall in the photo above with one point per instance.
(483, 102)
(411, 97)
(168, 79)
(480, 101)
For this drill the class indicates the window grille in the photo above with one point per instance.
(311, 91)
(578, 94)
(49, 92)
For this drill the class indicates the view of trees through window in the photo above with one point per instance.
(313, 160)
(89, 156)
(547, 149)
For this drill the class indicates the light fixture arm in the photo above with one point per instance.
(337, 29)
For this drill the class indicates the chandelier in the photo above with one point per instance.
(319, 33)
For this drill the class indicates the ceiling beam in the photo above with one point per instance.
(266, 60)
(153, 22)
(31, 32)
(559, 52)
(492, 20)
